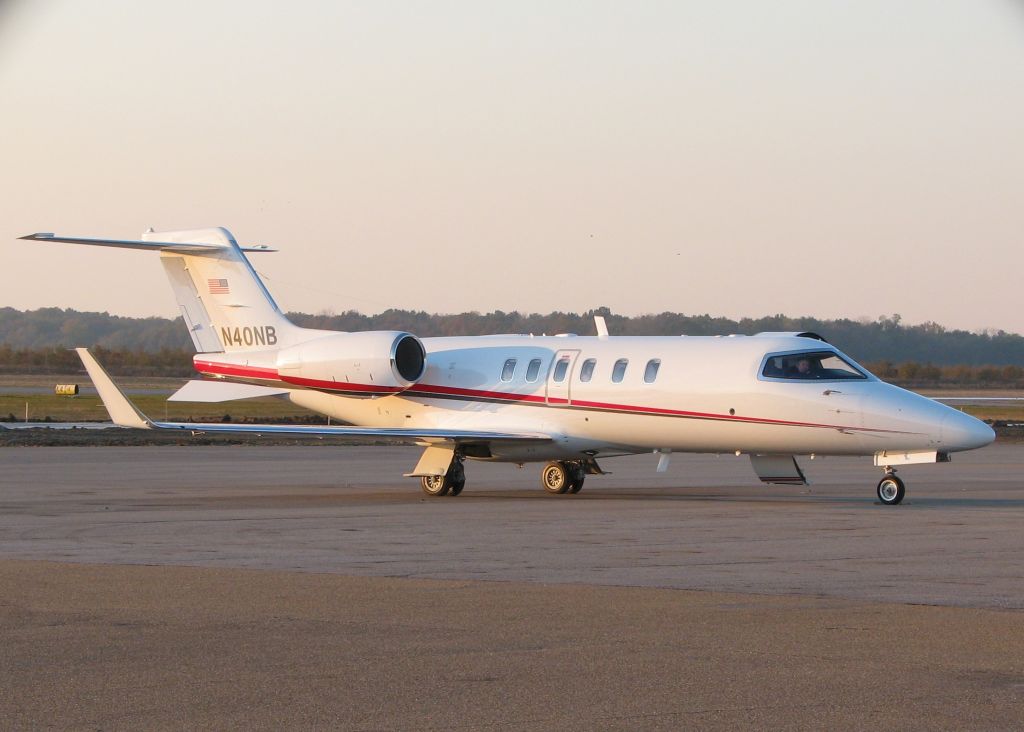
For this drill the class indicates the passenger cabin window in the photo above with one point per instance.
(509, 371)
(532, 370)
(651, 372)
(587, 370)
(619, 370)
(560, 368)
(819, 365)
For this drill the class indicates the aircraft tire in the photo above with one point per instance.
(577, 476)
(436, 485)
(456, 477)
(891, 490)
(555, 478)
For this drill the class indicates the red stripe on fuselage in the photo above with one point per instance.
(265, 374)
(438, 390)
(229, 369)
(431, 389)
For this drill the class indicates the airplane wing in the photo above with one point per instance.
(125, 414)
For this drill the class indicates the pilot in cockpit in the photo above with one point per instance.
(804, 369)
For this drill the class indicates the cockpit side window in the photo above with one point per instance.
(816, 365)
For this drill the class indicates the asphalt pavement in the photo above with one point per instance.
(247, 587)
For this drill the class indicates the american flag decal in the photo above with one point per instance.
(218, 287)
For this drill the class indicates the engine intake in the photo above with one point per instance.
(409, 358)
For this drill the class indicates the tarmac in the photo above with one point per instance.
(247, 587)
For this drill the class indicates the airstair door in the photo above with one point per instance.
(559, 385)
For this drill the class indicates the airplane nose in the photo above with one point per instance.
(963, 432)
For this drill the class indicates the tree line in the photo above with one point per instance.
(34, 337)
(178, 363)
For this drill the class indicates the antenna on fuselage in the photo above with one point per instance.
(602, 327)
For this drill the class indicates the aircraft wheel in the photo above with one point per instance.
(891, 490)
(436, 485)
(456, 478)
(555, 478)
(577, 476)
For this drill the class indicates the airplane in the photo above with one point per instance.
(562, 400)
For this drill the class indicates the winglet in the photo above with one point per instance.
(122, 412)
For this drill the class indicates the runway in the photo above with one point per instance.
(313, 586)
(706, 525)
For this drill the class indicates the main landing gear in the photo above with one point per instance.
(563, 477)
(891, 489)
(449, 484)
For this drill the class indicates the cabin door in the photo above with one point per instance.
(559, 391)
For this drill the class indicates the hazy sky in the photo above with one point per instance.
(810, 157)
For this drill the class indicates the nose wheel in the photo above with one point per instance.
(891, 490)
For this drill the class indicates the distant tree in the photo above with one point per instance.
(882, 342)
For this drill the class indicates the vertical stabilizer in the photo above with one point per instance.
(223, 301)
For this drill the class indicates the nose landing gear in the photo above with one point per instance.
(891, 489)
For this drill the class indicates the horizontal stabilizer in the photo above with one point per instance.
(152, 246)
(221, 391)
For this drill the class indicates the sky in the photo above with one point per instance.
(831, 158)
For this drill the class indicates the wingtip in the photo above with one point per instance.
(121, 410)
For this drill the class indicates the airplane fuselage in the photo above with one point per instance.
(687, 394)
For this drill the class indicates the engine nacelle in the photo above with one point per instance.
(371, 363)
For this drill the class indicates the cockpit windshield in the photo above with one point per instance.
(820, 365)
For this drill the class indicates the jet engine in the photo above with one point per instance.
(372, 362)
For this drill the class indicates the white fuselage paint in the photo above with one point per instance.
(709, 396)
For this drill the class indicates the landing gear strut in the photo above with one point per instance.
(451, 483)
(563, 477)
(891, 489)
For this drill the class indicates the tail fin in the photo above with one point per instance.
(223, 301)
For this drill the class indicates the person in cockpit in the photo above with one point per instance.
(804, 368)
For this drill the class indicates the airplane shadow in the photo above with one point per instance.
(726, 496)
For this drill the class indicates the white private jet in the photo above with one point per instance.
(564, 400)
